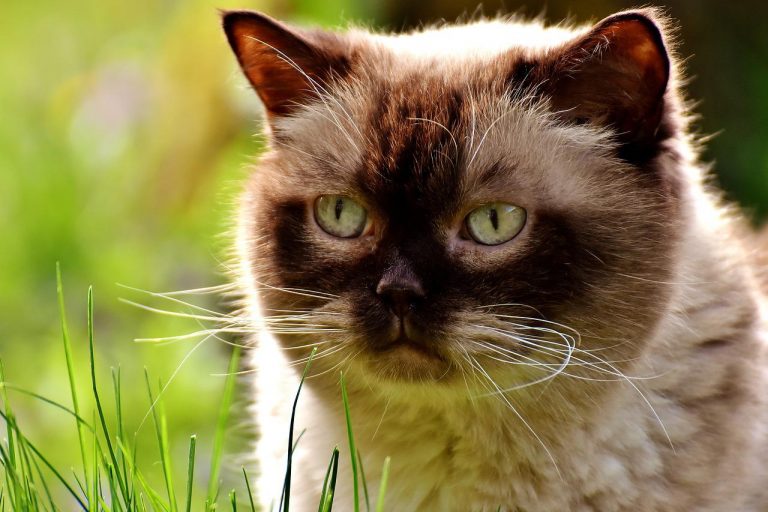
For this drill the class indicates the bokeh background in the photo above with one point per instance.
(125, 128)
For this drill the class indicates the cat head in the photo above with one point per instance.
(496, 197)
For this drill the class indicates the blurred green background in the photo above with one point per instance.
(125, 128)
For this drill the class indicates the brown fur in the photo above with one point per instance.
(620, 253)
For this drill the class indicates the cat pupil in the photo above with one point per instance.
(493, 216)
(339, 208)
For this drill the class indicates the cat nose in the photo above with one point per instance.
(400, 293)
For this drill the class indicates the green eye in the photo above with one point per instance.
(340, 216)
(495, 223)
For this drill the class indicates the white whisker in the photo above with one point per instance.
(179, 301)
(192, 291)
(503, 397)
(170, 380)
(323, 96)
(179, 314)
(453, 139)
(191, 335)
(299, 291)
(482, 139)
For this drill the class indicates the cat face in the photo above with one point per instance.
(419, 214)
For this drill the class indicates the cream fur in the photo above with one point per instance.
(673, 439)
(618, 460)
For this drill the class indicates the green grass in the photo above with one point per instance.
(111, 475)
(353, 455)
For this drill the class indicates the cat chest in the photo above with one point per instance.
(436, 467)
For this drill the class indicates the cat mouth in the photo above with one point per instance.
(417, 348)
(405, 337)
(408, 355)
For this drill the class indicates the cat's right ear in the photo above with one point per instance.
(287, 67)
(616, 75)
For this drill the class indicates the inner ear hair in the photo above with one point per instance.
(287, 67)
(615, 76)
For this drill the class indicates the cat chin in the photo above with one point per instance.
(409, 362)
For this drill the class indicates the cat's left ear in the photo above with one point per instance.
(616, 75)
(286, 66)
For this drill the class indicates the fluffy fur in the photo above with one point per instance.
(610, 357)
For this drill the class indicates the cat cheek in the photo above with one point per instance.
(476, 255)
(342, 250)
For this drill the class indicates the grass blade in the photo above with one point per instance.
(10, 455)
(352, 449)
(365, 482)
(326, 496)
(71, 376)
(285, 499)
(42, 459)
(11, 478)
(46, 489)
(98, 455)
(191, 471)
(47, 401)
(116, 382)
(383, 486)
(99, 408)
(248, 489)
(221, 427)
(162, 442)
(30, 487)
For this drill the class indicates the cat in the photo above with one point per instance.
(502, 235)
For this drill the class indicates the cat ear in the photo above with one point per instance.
(287, 67)
(615, 75)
